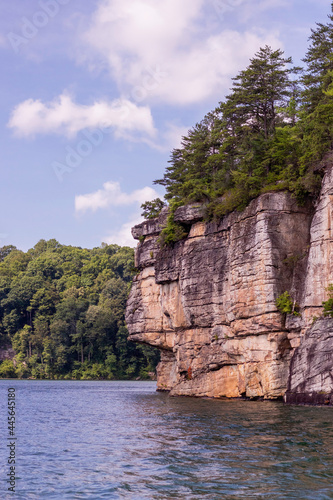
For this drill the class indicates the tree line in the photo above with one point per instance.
(62, 311)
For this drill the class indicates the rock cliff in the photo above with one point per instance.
(311, 368)
(208, 303)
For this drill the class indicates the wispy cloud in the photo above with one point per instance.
(133, 36)
(64, 116)
(169, 138)
(123, 236)
(112, 195)
(3, 41)
(173, 135)
(252, 9)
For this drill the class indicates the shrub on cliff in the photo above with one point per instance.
(151, 209)
(286, 305)
(328, 304)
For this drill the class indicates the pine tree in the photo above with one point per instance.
(316, 125)
(319, 60)
(230, 146)
(184, 179)
(260, 89)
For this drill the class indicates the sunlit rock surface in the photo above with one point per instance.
(209, 301)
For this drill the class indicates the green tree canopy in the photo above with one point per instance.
(62, 310)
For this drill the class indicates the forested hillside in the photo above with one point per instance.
(62, 310)
(270, 133)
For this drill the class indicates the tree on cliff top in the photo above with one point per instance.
(261, 92)
(316, 125)
(234, 139)
(319, 60)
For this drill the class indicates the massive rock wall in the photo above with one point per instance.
(209, 301)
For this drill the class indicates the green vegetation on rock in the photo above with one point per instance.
(286, 305)
(151, 209)
(62, 311)
(328, 304)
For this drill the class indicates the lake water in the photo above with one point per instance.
(110, 440)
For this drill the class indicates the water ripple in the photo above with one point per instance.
(122, 440)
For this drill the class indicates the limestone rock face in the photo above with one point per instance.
(311, 368)
(320, 266)
(208, 302)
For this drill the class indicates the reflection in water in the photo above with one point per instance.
(124, 440)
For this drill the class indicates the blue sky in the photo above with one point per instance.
(95, 95)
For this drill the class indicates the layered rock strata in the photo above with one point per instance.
(311, 368)
(208, 303)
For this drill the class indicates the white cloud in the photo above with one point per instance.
(123, 236)
(3, 41)
(112, 195)
(252, 9)
(63, 116)
(167, 50)
(169, 138)
(174, 134)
